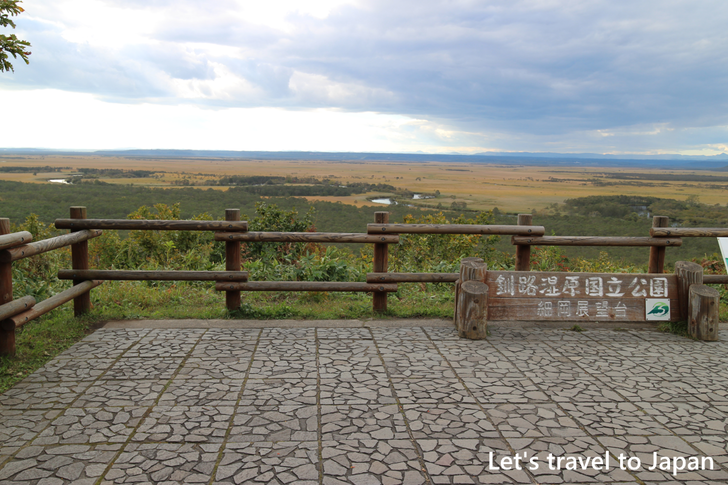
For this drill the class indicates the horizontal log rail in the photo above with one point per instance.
(27, 250)
(138, 275)
(689, 232)
(151, 225)
(715, 279)
(412, 277)
(305, 286)
(47, 305)
(317, 237)
(15, 239)
(455, 229)
(595, 241)
(16, 306)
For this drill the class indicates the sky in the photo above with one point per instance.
(564, 76)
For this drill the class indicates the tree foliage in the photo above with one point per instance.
(10, 44)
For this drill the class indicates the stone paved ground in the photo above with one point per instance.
(369, 405)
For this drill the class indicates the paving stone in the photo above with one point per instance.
(692, 417)
(77, 464)
(417, 365)
(91, 426)
(356, 388)
(281, 462)
(415, 391)
(20, 426)
(213, 369)
(242, 335)
(614, 418)
(285, 366)
(713, 446)
(494, 390)
(577, 390)
(156, 348)
(454, 461)
(285, 422)
(575, 459)
(201, 392)
(662, 390)
(73, 370)
(338, 334)
(97, 349)
(185, 424)
(279, 392)
(448, 421)
(223, 349)
(43, 395)
(532, 420)
(670, 447)
(277, 333)
(362, 422)
(363, 462)
(168, 463)
(142, 368)
(118, 393)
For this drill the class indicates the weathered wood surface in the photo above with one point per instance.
(472, 268)
(51, 303)
(141, 225)
(523, 251)
(412, 277)
(305, 286)
(312, 237)
(15, 239)
(715, 279)
(233, 261)
(381, 264)
(703, 311)
(38, 247)
(7, 335)
(139, 275)
(656, 262)
(524, 295)
(688, 274)
(455, 229)
(595, 241)
(79, 261)
(472, 310)
(689, 232)
(16, 306)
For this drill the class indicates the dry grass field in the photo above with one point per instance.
(511, 188)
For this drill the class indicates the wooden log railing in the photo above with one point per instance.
(307, 237)
(456, 229)
(689, 232)
(15, 239)
(39, 247)
(306, 286)
(596, 241)
(139, 275)
(151, 225)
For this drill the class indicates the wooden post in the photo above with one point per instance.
(79, 260)
(472, 304)
(232, 261)
(523, 252)
(7, 332)
(688, 274)
(657, 254)
(381, 262)
(703, 311)
(471, 269)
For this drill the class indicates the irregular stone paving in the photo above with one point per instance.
(371, 405)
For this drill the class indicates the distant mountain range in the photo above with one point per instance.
(715, 162)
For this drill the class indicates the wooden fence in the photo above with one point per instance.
(233, 231)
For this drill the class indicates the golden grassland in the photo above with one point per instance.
(511, 188)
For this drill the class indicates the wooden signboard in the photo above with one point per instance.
(582, 297)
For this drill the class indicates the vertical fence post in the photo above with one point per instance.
(79, 260)
(688, 274)
(233, 261)
(523, 251)
(381, 260)
(7, 332)
(657, 254)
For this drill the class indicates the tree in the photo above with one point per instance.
(11, 44)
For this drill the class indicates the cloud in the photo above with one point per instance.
(513, 72)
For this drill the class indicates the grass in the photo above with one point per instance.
(677, 328)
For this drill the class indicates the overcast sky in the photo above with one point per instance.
(610, 76)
